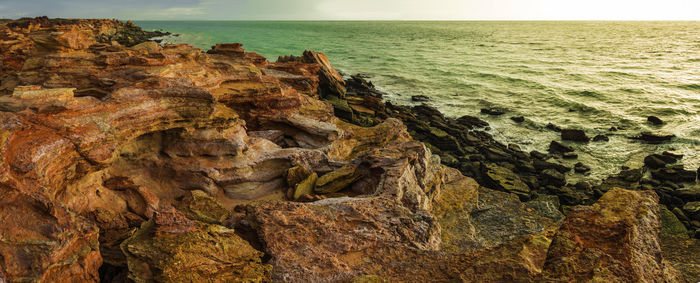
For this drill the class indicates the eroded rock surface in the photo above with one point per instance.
(614, 240)
(121, 158)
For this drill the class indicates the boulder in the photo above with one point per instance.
(581, 168)
(670, 225)
(682, 253)
(557, 147)
(420, 98)
(553, 127)
(495, 111)
(501, 178)
(616, 239)
(45, 244)
(330, 82)
(472, 122)
(672, 154)
(570, 155)
(518, 119)
(692, 209)
(341, 107)
(655, 120)
(655, 137)
(574, 135)
(655, 161)
(674, 173)
(598, 138)
(199, 206)
(173, 248)
(552, 177)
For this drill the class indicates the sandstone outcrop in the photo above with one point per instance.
(603, 242)
(126, 159)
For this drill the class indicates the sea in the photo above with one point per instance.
(588, 75)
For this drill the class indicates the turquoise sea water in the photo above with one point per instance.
(590, 75)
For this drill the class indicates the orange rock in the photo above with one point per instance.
(614, 240)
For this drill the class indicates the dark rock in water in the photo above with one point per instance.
(557, 147)
(574, 135)
(420, 98)
(493, 111)
(655, 120)
(674, 173)
(655, 162)
(566, 195)
(472, 122)
(670, 225)
(553, 127)
(543, 165)
(631, 175)
(601, 138)
(570, 155)
(504, 179)
(691, 193)
(583, 186)
(613, 129)
(655, 137)
(672, 154)
(496, 154)
(552, 177)
(538, 155)
(666, 158)
(581, 168)
(518, 119)
(692, 209)
(627, 178)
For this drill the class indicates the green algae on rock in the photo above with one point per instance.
(338, 179)
(305, 187)
(670, 225)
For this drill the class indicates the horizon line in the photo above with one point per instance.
(374, 20)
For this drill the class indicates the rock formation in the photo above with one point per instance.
(124, 160)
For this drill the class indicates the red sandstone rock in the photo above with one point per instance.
(98, 136)
(614, 240)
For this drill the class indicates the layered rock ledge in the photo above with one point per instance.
(129, 161)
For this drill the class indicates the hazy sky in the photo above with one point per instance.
(357, 9)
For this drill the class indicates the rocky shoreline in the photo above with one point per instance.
(126, 161)
(463, 143)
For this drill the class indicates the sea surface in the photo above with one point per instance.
(588, 75)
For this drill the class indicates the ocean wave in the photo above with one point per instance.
(690, 86)
(586, 93)
(509, 79)
(618, 74)
(632, 90)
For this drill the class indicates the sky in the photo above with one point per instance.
(356, 9)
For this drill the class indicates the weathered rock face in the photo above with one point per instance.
(169, 248)
(100, 137)
(168, 164)
(39, 243)
(616, 239)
